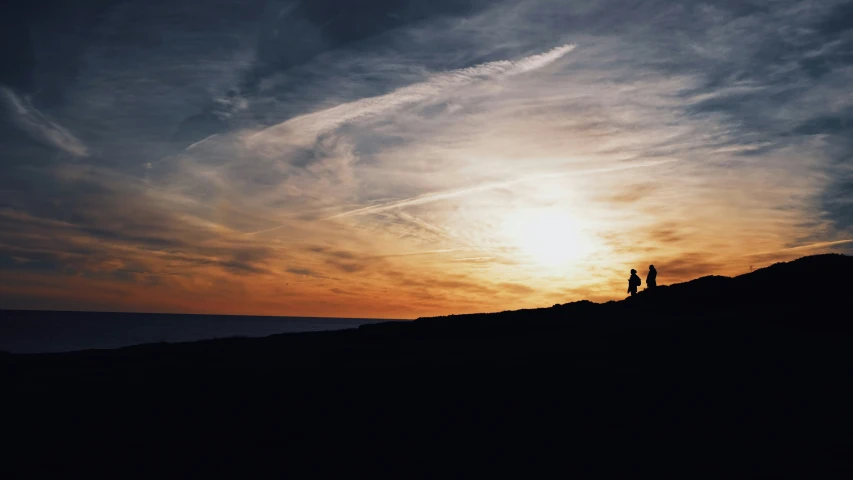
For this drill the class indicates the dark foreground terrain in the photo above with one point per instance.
(718, 377)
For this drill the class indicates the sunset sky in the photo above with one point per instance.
(403, 158)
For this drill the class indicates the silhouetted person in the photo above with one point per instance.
(633, 282)
(652, 277)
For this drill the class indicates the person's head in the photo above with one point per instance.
(633, 271)
(651, 267)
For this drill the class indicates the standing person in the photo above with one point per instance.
(633, 282)
(652, 277)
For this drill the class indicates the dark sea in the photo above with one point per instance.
(28, 331)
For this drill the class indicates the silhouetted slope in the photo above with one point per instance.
(806, 294)
(817, 281)
(746, 376)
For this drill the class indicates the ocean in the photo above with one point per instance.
(28, 331)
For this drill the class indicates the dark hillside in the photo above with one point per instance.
(737, 377)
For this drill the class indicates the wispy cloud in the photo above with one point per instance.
(810, 246)
(304, 129)
(39, 126)
(193, 145)
(437, 196)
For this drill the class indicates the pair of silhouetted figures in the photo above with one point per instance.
(634, 282)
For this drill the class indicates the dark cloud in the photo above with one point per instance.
(41, 43)
(347, 267)
(87, 223)
(516, 288)
(238, 267)
(688, 266)
(631, 194)
(333, 253)
(838, 202)
(839, 19)
(665, 234)
(343, 260)
(302, 271)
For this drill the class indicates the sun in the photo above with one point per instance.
(547, 237)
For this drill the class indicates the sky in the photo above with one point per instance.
(402, 158)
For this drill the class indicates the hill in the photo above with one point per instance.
(745, 376)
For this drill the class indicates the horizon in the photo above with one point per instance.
(394, 160)
(542, 307)
(146, 312)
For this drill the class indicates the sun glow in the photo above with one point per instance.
(548, 237)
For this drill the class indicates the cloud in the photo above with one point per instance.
(437, 196)
(303, 130)
(517, 288)
(687, 267)
(191, 146)
(811, 246)
(39, 126)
